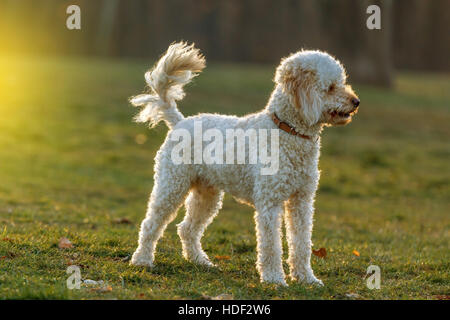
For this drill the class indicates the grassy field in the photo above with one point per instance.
(73, 164)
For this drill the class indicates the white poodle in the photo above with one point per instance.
(310, 93)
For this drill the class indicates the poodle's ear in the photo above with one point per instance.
(300, 85)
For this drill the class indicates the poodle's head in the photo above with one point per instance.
(316, 85)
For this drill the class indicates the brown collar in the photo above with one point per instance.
(286, 127)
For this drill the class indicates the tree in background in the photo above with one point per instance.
(414, 33)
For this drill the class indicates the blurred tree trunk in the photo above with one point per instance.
(229, 28)
(379, 47)
(309, 17)
(438, 45)
(105, 31)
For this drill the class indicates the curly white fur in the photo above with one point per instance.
(176, 68)
(310, 92)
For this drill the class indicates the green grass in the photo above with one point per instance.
(70, 165)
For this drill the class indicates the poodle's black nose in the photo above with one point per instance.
(355, 102)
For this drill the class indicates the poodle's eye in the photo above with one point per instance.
(331, 88)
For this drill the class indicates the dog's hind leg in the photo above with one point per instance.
(167, 196)
(202, 205)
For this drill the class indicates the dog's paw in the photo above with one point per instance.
(308, 279)
(275, 279)
(208, 263)
(198, 257)
(141, 261)
(204, 262)
(314, 281)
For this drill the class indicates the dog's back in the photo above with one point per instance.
(199, 143)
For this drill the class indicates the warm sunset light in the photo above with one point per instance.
(223, 151)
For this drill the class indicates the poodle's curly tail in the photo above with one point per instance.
(177, 67)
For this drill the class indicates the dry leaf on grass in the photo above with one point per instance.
(222, 257)
(122, 221)
(65, 243)
(356, 253)
(321, 253)
(70, 262)
(9, 255)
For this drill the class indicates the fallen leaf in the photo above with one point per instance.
(122, 221)
(64, 243)
(70, 262)
(222, 257)
(7, 239)
(321, 253)
(356, 253)
(442, 297)
(9, 255)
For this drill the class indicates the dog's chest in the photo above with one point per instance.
(299, 164)
(300, 153)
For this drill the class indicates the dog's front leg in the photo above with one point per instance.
(299, 222)
(268, 234)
